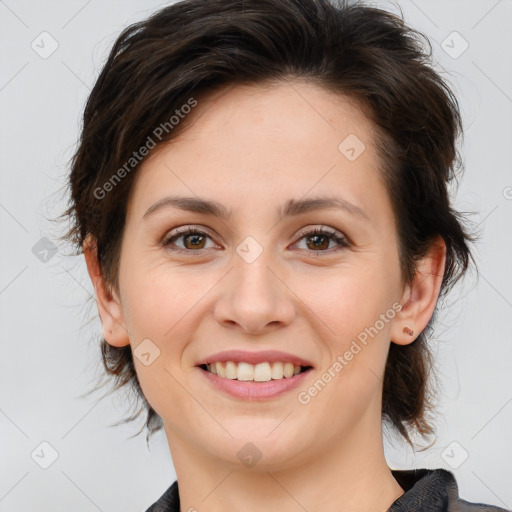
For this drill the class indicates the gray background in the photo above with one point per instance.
(47, 359)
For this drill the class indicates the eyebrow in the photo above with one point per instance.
(293, 207)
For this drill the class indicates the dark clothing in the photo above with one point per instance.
(433, 490)
(425, 490)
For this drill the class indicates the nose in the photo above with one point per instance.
(255, 299)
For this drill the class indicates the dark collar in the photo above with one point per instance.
(432, 490)
(425, 490)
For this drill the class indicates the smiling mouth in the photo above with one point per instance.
(261, 372)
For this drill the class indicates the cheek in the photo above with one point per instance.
(348, 300)
(156, 300)
(161, 307)
(356, 308)
(157, 306)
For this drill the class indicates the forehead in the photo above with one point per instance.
(282, 139)
(278, 114)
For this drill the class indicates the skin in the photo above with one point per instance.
(252, 150)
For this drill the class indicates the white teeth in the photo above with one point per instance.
(221, 371)
(245, 371)
(288, 370)
(230, 370)
(277, 370)
(261, 372)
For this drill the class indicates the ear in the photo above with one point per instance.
(419, 297)
(109, 305)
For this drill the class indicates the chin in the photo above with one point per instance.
(256, 448)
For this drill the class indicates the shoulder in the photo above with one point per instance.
(433, 490)
(168, 502)
(425, 490)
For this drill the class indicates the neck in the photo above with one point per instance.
(347, 475)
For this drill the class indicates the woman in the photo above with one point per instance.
(260, 193)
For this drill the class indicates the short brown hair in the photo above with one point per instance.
(351, 49)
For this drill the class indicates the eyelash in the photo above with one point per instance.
(304, 233)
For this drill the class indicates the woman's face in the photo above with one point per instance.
(258, 280)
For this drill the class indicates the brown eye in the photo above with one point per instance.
(196, 241)
(193, 239)
(319, 239)
(318, 242)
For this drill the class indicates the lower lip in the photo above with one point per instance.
(251, 390)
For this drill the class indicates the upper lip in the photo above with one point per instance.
(264, 356)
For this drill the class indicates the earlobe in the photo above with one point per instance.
(420, 297)
(109, 305)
